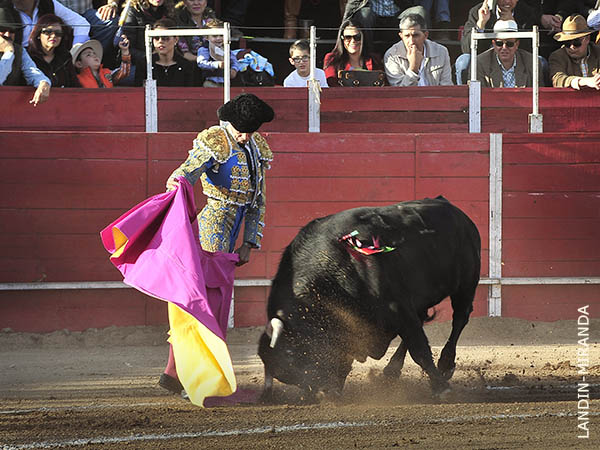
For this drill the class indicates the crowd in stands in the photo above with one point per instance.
(70, 43)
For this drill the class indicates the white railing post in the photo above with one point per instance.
(536, 120)
(495, 226)
(314, 87)
(474, 90)
(151, 94)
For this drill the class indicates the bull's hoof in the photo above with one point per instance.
(447, 373)
(266, 398)
(444, 395)
(439, 388)
(392, 372)
(329, 396)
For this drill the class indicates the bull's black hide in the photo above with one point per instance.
(337, 305)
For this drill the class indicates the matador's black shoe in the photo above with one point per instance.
(170, 384)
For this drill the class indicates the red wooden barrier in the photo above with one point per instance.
(343, 110)
(61, 188)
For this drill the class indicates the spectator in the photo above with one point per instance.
(482, 18)
(140, 14)
(16, 66)
(192, 14)
(300, 59)
(210, 60)
(87, 59)
(381, 14)
(169, 67)
(505, 64)
(593, 18)
(30, 11)
(49, 45)
(352, 51)
(415, 60)
(103, 22)
(577, 62)
(234, 12)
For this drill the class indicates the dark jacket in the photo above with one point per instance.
(563, 69)
(60, 70)
(525, 15)
(354, 5)
(135, 29)
(489, 71)
(184, 20)
(182, 73)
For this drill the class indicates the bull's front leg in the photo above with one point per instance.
(267, 393)
(420, 352)
(396, 363)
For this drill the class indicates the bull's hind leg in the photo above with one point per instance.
(396, 363)
(462, 305)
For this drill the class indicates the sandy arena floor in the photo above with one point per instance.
(515, 386)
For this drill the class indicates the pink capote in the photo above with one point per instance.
(155, 245)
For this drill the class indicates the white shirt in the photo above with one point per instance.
(295, 80)
(81, 27)
(422, 77)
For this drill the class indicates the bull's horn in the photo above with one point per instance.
(277, 326)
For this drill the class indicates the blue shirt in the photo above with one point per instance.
(207, 63)
(32, 74)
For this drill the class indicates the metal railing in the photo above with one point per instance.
(535, 118)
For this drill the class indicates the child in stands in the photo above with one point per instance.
(87, 59)
(300, 59)
(210, 60)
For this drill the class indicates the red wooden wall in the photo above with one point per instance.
(551, 222)
(59, 189)
(356, 110)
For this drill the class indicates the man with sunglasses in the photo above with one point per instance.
(16, 66)
(577, 63)
(505, 64)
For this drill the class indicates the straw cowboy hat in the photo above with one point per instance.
(92, 43)
(574, 26)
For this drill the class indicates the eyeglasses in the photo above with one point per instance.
(574, 43)
(349, 37)
(52, 31)
(508, 44)
(299, 59)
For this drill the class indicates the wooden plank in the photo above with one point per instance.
(550, 137)
(550, 228)
(394, 104)
(336, 143)
(267, 93)
(56, 221)
(294, 191)
(459, 142)
(43, 145)
(551, 250)
(455, 188)
(546, 303)
(75, 109)
(552, 178)
(395, 92)
(394, 127)
(468, 164)
(343, 165)
(63, 196)
(74, 172)
(387, 117)
(551, 151)
(551, 269)
(543, 205)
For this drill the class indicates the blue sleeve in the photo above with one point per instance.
(6, 63)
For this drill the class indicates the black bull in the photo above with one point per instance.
(331, 304)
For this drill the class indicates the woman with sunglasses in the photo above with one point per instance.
(49, 45)
(169, 67)
(352, 51)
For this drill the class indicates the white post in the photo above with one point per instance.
(536, 120)
(495, 230)
(314, 87)
(151, 95)
(227, 63)
(474, 90)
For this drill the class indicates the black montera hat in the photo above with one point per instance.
(246, 113)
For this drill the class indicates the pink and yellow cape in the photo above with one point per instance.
(155, 245)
